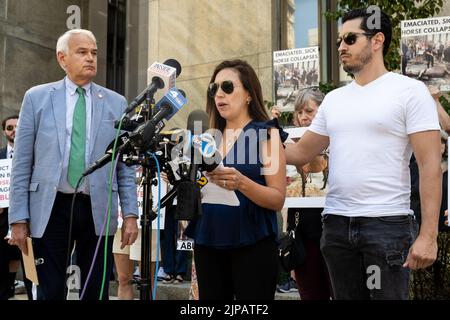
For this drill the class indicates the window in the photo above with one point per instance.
(300, 23)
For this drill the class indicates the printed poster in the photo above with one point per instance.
(425, 51)
(5, 176)
(294, 69)
(306, 186)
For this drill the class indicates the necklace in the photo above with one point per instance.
(231, 140)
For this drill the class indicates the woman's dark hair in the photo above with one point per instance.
(251, 83)
(384, 24)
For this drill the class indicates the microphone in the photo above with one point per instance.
(144, 133)
(207, 147)
(197, 122)
(123, 143)
(176, 98)
(189, 196)
(201, 143)
(170, 104)
(163, 77)
(205, 143)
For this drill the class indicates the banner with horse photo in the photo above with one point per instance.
(293, 70)
(306, 186)
(425, 51)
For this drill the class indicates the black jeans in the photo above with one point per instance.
(246, 273)
(365, 255)
(174, 261)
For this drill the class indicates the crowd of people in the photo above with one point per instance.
(367, 225)
(424, 52)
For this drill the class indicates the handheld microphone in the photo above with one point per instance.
(162, 76)
(201, 145)
(189, 196)
(206, 145)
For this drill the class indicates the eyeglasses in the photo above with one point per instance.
(227, 86)
(11, 127)
(350, 38)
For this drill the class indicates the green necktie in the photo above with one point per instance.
(78, 140)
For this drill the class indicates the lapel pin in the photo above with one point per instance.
(100, 95)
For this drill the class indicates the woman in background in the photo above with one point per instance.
(312, 276)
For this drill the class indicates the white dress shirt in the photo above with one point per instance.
(71, 100)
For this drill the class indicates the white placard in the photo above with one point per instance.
(294, 70)
(140, 198)
(185, 245)
(315, 183)
(5, 176)
(425, 51)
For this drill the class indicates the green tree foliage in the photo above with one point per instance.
(398, 10)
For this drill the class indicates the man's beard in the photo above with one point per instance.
(10, 139)
(362, 59)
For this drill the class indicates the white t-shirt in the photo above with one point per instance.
(368, 127)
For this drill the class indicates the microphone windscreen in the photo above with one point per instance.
(197, 122)
(174, 99)
(162, 76)
(174, 64)
(182, 93)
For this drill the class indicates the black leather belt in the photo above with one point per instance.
(80, 196)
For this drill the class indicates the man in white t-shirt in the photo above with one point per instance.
(371, 127)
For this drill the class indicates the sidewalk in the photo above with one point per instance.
(180, 291)
(170, 292)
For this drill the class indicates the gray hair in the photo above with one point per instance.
(63, 42)
(308, 94)
(444, 135)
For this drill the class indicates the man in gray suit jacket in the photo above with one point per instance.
(65, 126)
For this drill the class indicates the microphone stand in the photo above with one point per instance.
(146, 284)
(138, 156)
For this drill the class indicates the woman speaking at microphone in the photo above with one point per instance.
(235, 241)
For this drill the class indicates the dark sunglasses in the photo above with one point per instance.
(227, 86)
(10, 127)
(350, 38)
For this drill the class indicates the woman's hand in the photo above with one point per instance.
(226, 177)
